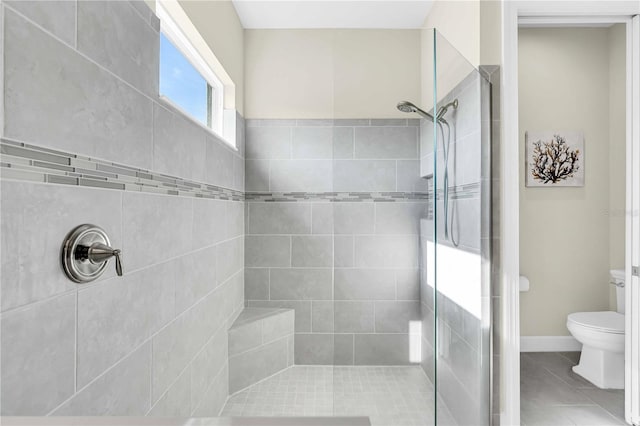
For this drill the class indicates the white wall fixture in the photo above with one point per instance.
(524, 283)
(554, 158)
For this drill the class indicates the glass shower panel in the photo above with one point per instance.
(409, 210)
(379, 202)
(461, 242)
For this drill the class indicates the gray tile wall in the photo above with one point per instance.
(102, 101)
(349, 268)
(82, 77)
(463, 339)
(333, 155)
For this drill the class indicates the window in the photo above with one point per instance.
(186, 80)
(182, 83)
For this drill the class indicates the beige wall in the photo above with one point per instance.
(471, 26)
(219, 25)
(617, 144)
(564, 232)
(490, 32)
(459, 23)
(470, 36)
(330, 73)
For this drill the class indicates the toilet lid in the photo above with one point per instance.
(609, 321)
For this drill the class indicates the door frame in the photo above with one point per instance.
(564, 13)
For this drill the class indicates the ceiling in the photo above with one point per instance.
(302, 14)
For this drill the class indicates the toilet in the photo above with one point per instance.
(602, 338)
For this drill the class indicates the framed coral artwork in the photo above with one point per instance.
(554, 159)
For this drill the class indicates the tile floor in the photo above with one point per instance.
(552, 394)
(389, 396)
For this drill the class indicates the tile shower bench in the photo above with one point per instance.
(260, 345)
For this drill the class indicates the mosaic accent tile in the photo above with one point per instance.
(336, 196)
(338, 122)
(22, 161)
(471, 190)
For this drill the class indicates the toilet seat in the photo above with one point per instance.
(604, 321)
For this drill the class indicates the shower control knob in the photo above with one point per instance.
(86, 252)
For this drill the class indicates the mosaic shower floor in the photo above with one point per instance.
(389, 396)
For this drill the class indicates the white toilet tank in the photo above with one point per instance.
(617, 279)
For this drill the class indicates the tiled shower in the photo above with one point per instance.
(332, 231)
(310, 260)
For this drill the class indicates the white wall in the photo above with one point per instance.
(330, 73)
(564, 232)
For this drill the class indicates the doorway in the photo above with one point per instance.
(572, 199)
(562, 15)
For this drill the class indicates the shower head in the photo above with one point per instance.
(406, 106)
(443, 110)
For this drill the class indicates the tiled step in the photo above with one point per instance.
(260, 345)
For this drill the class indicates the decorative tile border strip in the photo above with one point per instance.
(338, 122)
(22, 161)
(470, 190)
(456, 193)
(336, 196)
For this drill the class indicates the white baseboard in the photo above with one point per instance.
(549, 344)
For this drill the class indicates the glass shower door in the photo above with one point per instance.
(379, 203)
(411, 240)
(462, 238)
